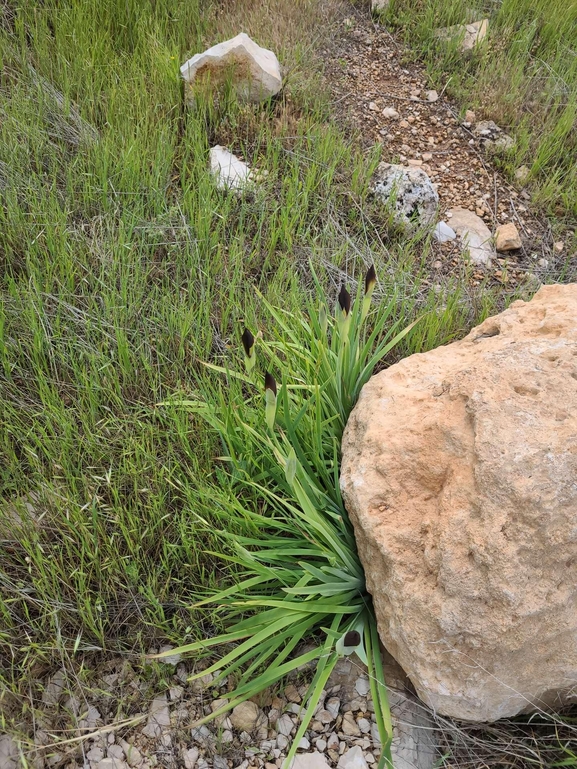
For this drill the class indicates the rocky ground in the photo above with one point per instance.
(123, 720)
(391, 103)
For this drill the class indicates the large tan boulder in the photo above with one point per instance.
(459, 472)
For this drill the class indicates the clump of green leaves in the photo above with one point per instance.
(299, 574)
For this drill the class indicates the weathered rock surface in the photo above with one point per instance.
(458, 471)
(475, 236)
(254, 71)
(507, 237)
(492, 137)
(469, 35)
(409, 192)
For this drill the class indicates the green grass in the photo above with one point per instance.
(122, 267)
(524, 77)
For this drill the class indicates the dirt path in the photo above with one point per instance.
(369, 80)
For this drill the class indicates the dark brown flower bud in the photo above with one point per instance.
(247, 342)
(344, 300)
(370, 279)
(352, 638)
(270, 383)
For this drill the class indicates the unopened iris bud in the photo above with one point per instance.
(344, 301)
(269, 399)
(248, 344)
(370, 283)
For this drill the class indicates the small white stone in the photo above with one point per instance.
(362, 686)
(111, 763)
(202, 735)
(304, 744)
(285, 725)
(229, 171)
(352, 759)
(349, 726)
(133, 755)
(310, 761)
(432, 96)
(321, 745)
(172, 659)
(282, 741)
(333, 706)
(364, 725)
(443, 233)
(390, 113)
(332, 741)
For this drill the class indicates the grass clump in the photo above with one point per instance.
(299, 574)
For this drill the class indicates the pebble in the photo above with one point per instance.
(219, 762)
(321, 745)
(332, 706)
(201, 734)
(349, 725)
(432, 96)
(95, 754)
(310, 761)
(172, 659)
(352, 759)
(133, 755)
(304, 744)
(373, 107)
(333, 742)
(284, 725)
(282, 741)
(175, 692)
(326, 716)
(364, 725)
(390, 113)
(443, 233)
(559, 246)
(111, 763)
(54, 689)
(115, 751)
(246, 716)
(362, 686)
(159, 716)
(292, 694)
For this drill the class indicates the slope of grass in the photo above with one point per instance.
(122, 266)
(524, 77)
